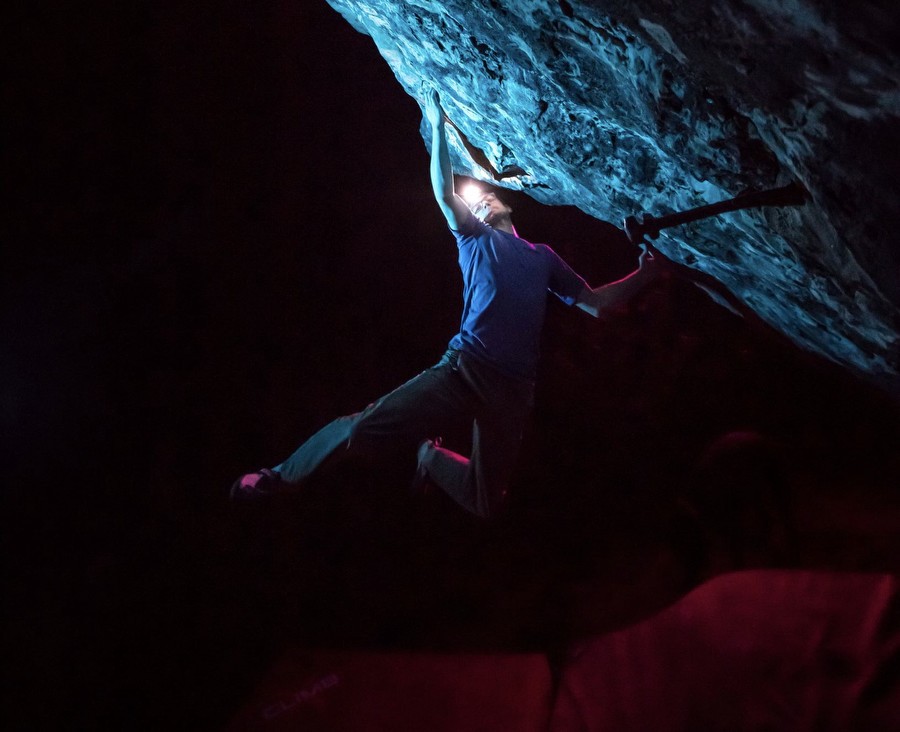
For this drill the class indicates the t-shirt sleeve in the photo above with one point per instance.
(469, 230)
(564, 282)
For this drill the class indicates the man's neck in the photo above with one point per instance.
(505, 224)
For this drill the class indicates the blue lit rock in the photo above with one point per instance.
(656, 105)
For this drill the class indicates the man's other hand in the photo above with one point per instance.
(652, 261)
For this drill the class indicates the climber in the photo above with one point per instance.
(486, 377)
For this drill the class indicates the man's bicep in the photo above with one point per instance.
(565, 283)
(459, 218)
(455, 211)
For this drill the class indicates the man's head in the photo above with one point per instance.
(493, 210)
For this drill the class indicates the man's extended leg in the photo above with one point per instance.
(424, 406)
(330, 442)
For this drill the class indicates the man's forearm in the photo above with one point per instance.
(451, 205)
(441, 169)
(594, 300)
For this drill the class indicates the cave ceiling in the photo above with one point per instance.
(658, 106)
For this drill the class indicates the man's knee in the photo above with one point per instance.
(358, 432)
(367, 431)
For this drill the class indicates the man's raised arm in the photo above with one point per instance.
(452, 206)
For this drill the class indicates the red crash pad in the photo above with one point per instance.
(755, 650)
(353, 691)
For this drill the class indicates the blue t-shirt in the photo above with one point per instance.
(505, 284)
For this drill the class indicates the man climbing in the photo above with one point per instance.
(486, 377)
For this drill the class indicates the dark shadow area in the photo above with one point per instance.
(224, 238)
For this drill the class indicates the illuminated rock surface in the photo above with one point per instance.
(622, 107)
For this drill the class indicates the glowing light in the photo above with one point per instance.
(472, 193)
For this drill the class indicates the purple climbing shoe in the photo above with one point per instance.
(253, 486)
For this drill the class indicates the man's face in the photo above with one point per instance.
(496, 208)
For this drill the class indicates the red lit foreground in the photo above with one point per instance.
(773, 650)
(402, 691)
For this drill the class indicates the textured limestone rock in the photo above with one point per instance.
(655, 105)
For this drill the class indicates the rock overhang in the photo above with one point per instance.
(620, 107)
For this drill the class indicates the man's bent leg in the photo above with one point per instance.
(480, 484)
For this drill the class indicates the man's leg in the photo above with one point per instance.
(480, 483)
(422, 407)
(329, 442)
